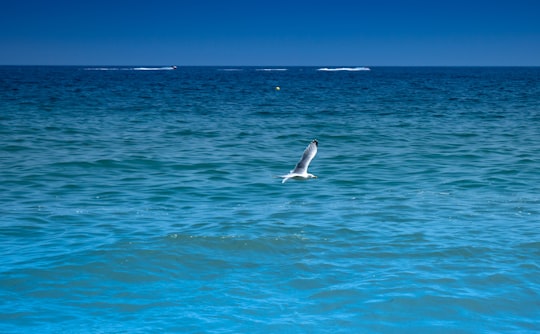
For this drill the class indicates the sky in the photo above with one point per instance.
(271, 33)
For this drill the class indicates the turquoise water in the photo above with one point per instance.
(138, 201)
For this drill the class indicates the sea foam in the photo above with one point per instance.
(338, 69)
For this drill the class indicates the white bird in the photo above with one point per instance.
(300, 171)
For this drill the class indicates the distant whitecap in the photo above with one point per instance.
(272, 69)
(166, 68)
(350, 69)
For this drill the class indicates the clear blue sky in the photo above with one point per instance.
(280, 32)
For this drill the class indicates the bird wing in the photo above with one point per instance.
(309, 154)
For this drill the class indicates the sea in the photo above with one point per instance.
(149, 200)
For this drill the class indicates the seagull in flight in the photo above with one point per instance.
(300, 171)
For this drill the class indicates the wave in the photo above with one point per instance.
(271, 69)
(106, 69)
(350, 69)
(164, 68)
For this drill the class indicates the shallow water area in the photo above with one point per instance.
(149, 200)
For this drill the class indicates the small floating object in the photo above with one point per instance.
(278, 88)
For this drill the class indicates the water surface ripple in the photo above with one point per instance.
(147, 201)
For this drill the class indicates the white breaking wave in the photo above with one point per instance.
(271, 69)
(350, 69)
(166, 68)
(106, 69)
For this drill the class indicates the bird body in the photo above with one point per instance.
(300, 171)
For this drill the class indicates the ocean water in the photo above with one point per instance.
(138, 200)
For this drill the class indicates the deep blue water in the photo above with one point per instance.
(136, 201)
